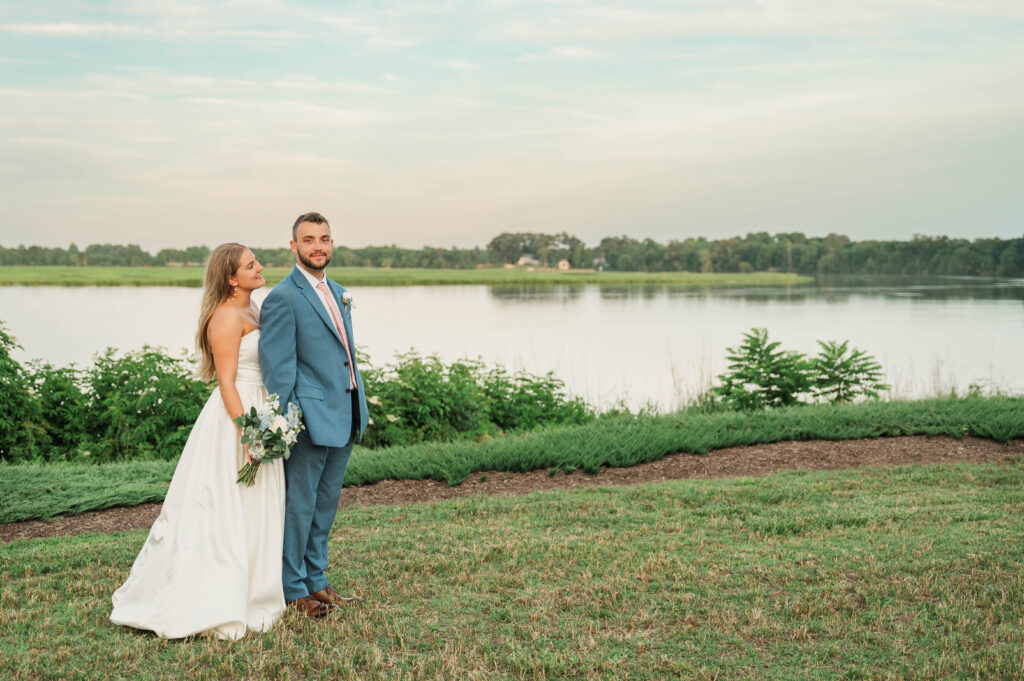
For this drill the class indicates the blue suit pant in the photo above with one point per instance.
(313, 478)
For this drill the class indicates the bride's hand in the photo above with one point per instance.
(248, 456)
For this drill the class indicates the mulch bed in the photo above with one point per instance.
(757, 460)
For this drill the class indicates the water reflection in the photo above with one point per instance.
(836, 289)
(639, 344)
(924, 288)
(529, 293)
(842, 289)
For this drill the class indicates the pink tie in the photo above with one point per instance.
(336, 316)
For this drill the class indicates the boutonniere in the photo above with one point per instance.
(346, 301)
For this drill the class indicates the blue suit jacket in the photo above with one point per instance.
(304, 362)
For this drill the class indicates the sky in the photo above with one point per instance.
(170, 123)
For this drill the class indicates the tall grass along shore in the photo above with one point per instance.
(44, 491)
(382, 276)
(912, 574)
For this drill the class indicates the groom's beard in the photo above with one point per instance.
(309, 263)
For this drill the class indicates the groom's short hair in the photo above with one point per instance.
(315, 218)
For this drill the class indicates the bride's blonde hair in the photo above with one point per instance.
(223, 263)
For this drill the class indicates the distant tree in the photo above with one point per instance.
(757, 251)
(74, 256)
(117, 255)
(505, 248)
(1011, 260)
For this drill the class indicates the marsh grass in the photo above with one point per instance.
(907, 573)
(381, 276)
(613, 441)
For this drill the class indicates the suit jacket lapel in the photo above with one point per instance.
(337, 291)
(313, 296)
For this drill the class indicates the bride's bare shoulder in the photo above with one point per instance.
(225, 324)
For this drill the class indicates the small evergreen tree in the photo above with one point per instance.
(840, 374)
(761, 375)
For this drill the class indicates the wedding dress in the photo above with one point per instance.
(212, 561)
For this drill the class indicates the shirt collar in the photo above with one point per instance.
(313, 281)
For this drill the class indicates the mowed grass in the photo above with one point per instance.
(380, 276)
(906, 573)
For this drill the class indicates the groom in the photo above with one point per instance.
(307, 356)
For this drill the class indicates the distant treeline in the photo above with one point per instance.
(757, 252)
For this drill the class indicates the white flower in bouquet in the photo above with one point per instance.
(269, 435)
(279, 424)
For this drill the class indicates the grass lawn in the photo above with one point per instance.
(377, 276)
(907, 573)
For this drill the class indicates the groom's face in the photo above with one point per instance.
(313, 245)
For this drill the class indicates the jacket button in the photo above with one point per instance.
(346, 362)
(348, 390)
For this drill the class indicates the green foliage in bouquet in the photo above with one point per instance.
(267, 434)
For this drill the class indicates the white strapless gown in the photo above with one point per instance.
(212, 561)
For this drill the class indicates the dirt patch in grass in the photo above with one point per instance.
(757, 460)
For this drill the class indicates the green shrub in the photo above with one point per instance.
(142, 404)
(523, 401)
(840, 374)
(63, 405)
(22, 437)
(420, 399)
(761, 375)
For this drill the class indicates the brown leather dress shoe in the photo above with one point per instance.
(310, 607)
(329, 597)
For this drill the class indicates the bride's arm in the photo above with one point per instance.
(225, 335)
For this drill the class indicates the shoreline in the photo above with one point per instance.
(192, 277)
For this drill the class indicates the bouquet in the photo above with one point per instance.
(269, 433)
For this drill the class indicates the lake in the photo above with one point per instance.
(639, 345)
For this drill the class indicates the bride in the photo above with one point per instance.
(212, 561)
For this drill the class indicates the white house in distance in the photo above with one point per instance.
(530, 261)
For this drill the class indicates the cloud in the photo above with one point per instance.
(68, 29)
(593, 115)
(616, 23)
(460, 65)
(564, 53)
(309, 83)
